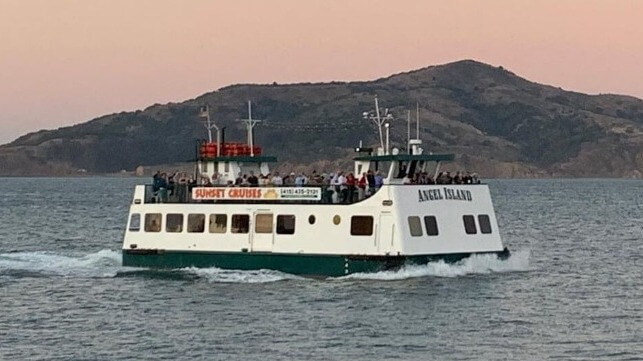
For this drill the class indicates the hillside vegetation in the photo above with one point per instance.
(497, 123)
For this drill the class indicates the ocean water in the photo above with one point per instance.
(572, 290)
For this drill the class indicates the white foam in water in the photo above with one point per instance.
(238, 276)
(476, 264)
(104, 263)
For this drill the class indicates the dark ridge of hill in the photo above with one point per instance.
(498, 123)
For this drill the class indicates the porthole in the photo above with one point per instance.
(337, 219)
(311, 219)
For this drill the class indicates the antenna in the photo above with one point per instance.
(417, 117)
(408, 131)
(250, 123)
(209, 125)
(379, 120)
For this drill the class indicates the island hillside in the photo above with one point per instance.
(498, 124)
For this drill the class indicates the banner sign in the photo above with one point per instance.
(256, 193)
(438, 194)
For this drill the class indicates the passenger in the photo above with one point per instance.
(379, 180)
(300, 181)
(406, 179)
(170, 183)
(276, 180)
(253, 180)
(264, 181)
(467, 178)
(289, 181)
(361, 187)
(370, 179)
(474, 178)
(244, 181)
(216, 180)
(239, 180)
(343, 189)
(156, 181)
(430, 180)
(457, 179)
(205, 182)
(163, 188)
(351, 183)
(316, 177)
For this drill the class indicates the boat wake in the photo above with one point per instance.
(101, 264)
(218, 275)
(107, 264)
(477, 264)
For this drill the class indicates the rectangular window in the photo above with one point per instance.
(485, 224)
(135, 222)
(174, 222)
(431, 225)
(153, 222)
(263, 223)
(240, 223)
(361, 226)
(285, 224)
(196, 223)
(469, 224)
(415, 226)
(218, 223)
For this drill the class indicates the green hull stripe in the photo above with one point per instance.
(298, 264)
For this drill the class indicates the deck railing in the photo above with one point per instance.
(182, 193)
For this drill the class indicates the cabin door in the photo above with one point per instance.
(385, 233)
(262, 233)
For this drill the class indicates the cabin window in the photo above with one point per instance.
(361, 226)
(485, 224)
(286, 224)
(431, 224)
(135, 222)
(240, 223)
(263, 223)
(174, 222)
(469, 224)
(311, 219)
(196, 223)
(153, 222)
(415, 226)
(218, 223)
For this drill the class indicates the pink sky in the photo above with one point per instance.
(64, 62)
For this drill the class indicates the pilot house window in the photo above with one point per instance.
(361, 226)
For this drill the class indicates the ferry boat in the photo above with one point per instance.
(303, 230)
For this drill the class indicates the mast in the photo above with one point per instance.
(417, 117)
(209, 125)
(408, 131)
(379, 121)
(250, 124)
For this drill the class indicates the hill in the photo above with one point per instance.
(498, 123)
